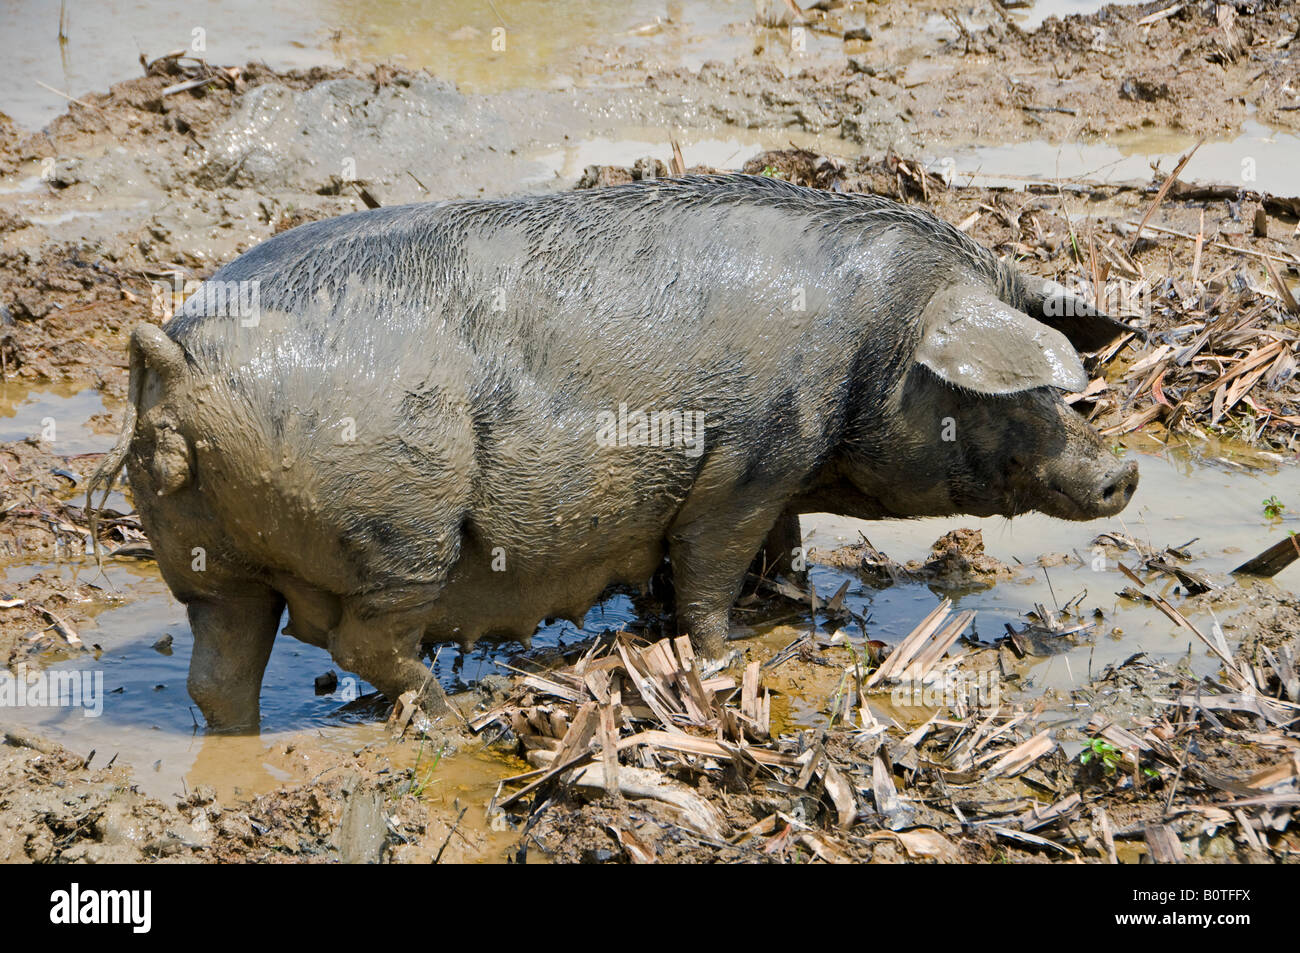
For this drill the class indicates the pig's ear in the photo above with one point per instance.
(975, 341)
(1087, 328)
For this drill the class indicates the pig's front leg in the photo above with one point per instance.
(710, 556)
(382, 645)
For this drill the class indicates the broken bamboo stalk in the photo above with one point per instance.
(1272, 560)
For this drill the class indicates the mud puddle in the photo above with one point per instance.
(135, 706)
(549, 45)
(481, 47)
(132, 710)
(1212, 500)
(60, 416)
(544, 45)
(1258, 158)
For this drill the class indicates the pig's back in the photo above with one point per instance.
(601, 282)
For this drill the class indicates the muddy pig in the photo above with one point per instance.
(453, 420)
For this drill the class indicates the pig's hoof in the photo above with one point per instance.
(234, 726)
(709, 644)
(223, 718)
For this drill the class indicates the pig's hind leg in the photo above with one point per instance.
(233, 635)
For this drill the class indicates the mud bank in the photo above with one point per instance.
(358, 807)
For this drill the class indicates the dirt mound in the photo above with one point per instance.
(69, 315)
(956, 559)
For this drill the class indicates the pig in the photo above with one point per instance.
(451, 421)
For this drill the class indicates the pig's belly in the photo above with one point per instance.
(497, 596)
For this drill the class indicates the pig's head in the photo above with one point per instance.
(980, 425)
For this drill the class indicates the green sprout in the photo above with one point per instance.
(1273, 508)
(1110, 757)
(1107, 753)
(417, 788)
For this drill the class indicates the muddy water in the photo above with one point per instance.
(53, 413)
(1212, 502)
(543, 41)
(148, 720)
(547, 44)
(1207, 496)
(1258, 158)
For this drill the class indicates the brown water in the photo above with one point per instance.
(1209, 495)
(547, 43)
(56, 414)
(149, 721)
(1258, 158)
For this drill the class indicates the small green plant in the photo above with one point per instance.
(417, 787)
(1109, 756)
(772, 172)
(1273, 508)
(837, 700)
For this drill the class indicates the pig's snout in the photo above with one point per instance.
(1085, 490)
(1117, 488)
(1062, 467)
(1074, 486)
